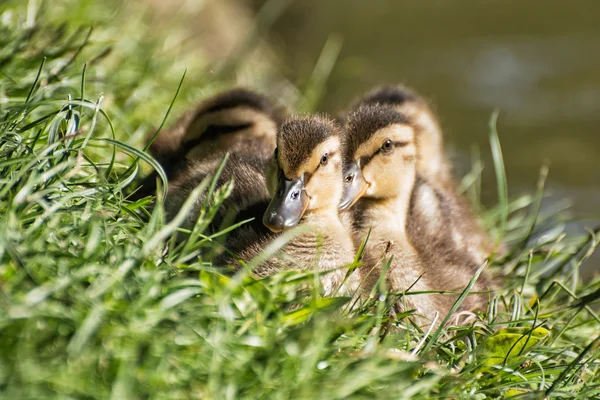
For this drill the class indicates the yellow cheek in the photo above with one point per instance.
(323, 187)
(379, 174)
(388, 160)
(369, 173)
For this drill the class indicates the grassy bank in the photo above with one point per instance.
(92, 306)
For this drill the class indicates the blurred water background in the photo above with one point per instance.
(537, 62)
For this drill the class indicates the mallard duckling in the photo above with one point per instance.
(308, 175)
(237, 120)
(380, 153)
(433, 167)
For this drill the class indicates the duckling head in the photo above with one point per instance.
(429, 137)
(220, 121)
(306, 172)
(380, 154)
(225, 118)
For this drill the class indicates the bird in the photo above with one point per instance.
(238, 121)
(240, 124)
(381, 186)
(433, 166)
(306, 169)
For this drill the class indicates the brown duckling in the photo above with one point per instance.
(308, 175)
(380, 153)
(239, 122)
(433, 167)
(234, 121)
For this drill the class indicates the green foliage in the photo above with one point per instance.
(92, 305)
(510, 342)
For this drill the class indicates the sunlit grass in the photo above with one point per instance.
(92, 305)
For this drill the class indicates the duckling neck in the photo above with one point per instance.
(338, 250)
(387, 215)
(326, 222)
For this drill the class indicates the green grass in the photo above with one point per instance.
(93, 306)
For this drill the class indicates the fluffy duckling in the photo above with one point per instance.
(307, 172)
(239, 122)
(433, 167)
(380, 152)
(234, 121)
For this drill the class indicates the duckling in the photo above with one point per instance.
(433, 167)
(308, 188)
(237, 120)
(380, 150)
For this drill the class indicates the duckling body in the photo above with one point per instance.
(308, 169)
(381, 153)
(247, 130)
(327, 246)
(248, 198)
(439, 228)
(388, 243)
(237, 122)
(440, 216)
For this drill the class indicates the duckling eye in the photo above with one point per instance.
(324, 159)
(387, 146)
(349, 178)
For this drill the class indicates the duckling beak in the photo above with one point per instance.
(355, 186)
(287, 206)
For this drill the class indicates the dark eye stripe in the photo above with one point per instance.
(365, 160)
(308, 175)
